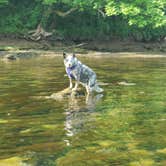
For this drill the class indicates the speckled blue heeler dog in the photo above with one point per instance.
(81, 73)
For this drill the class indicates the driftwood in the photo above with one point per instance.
(38, 34)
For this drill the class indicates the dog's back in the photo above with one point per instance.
(88, 77)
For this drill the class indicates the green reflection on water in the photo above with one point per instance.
(124, 127)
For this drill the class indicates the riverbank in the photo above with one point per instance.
(92, 48)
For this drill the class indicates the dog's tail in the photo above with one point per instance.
(98, 89)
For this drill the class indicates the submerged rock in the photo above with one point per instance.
(11, 57)
(26, 54)
(65, 93)
(19, 55)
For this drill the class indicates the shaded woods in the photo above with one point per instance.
(76, 20)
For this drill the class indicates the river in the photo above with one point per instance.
(123, 126)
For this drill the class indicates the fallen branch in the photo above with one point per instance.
(64, 14)
(102, 13)
(78, 45)
(39, 33)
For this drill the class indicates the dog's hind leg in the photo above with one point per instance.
(94, 86)
(98, 89)
(91, 83)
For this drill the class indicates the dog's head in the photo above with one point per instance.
(70, 60)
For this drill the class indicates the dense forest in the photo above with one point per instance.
(78, 20)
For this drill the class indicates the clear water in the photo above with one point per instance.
(124, 127)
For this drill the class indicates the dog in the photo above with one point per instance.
(81, 73)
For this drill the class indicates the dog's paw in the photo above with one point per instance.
(74, 89)
(70, 87)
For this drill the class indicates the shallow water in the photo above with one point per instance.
(124, 127)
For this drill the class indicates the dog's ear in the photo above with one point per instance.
(64, 55)
(74, 55)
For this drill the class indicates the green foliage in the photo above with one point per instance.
(49, 2)
(2, 2)
(139, 12)
(90, 19)
(20, 17)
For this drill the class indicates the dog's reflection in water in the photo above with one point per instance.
(78, 113)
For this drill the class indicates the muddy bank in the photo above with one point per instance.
(110, 46)
(127, 46)
(21, 48)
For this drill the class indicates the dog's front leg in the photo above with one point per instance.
(76, 86)
(71, 84)
(88, 89)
